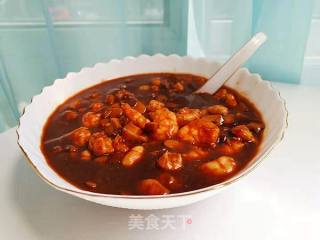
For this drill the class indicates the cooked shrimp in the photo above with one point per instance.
(119, 144)
(227, 97)
(218, 109)
(221, 94)
(152, 187)
(100, 144)
(156, 82)
(231, 100)
(133, 133)
(91, 119)
(216, 118)
(186, 115)
(174, 145)
(199, 131)
(116, 123)
(136, 117)
(218, 167)
(133, 156)
(243, 132)
(170, 161)
(154, 105)
(231, 147)
(80, 136)
(166, 122)
(96, 106)
(195, 153)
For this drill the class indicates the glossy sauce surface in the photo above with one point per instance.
(95, 163)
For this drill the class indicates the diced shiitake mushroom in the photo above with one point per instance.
(133, 156)
(116, 123)
(110, 99)
(221, 166)
(107, 126)
(152, 187)
(133, 133)
(115, 112)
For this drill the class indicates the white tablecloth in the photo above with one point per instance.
(279, 200)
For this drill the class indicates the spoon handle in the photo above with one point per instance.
(233, 64)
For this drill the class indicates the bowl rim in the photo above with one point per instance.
(173, 195)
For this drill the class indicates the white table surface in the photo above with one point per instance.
(279, 200)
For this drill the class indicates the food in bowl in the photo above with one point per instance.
(151, 135)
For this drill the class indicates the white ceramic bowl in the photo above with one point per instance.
(260, 92)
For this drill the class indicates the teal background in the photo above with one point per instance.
(41, 40)
(286, 23)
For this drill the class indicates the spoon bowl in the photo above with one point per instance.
(233, 64)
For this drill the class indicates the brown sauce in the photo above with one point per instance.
(227, 137)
